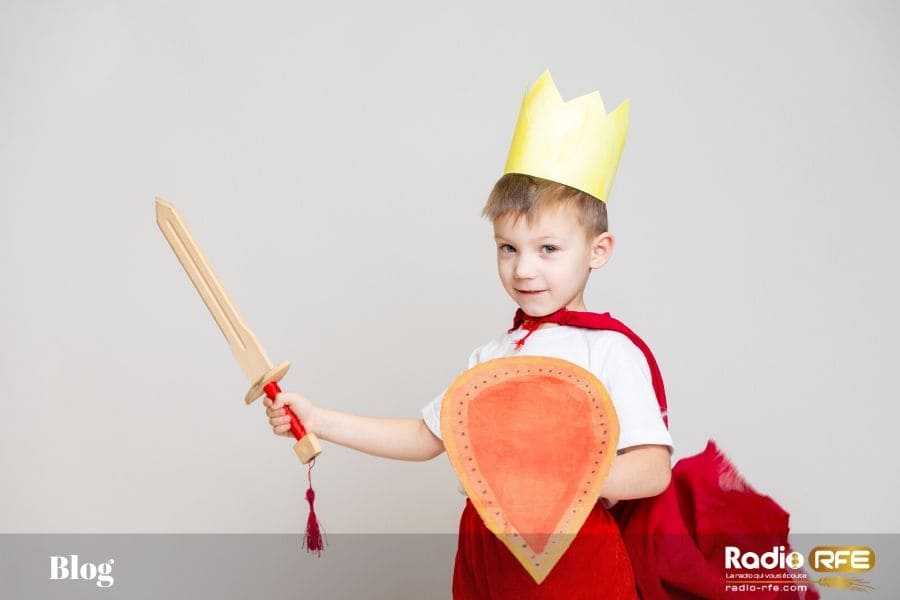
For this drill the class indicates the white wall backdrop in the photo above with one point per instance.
(332, 161)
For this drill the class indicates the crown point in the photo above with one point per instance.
(544, 79)
(593, 102)
(622, 107)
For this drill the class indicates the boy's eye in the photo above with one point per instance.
(546, 248)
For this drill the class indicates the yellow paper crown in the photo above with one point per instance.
(574, 143)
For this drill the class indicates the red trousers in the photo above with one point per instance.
(595, 566)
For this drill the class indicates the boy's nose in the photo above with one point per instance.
(524, 269)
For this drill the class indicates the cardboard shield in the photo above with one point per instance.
(531, 439)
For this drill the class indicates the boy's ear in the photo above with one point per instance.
(601, 249)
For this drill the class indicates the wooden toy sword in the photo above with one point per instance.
(250, 355)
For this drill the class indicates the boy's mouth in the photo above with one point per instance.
(530, 292)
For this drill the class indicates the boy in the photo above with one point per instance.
(543, 267)
(550, 226)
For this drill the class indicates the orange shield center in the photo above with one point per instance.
(531, 439)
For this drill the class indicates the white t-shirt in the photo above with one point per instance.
(613, 358)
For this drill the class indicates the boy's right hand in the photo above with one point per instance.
(301, 406)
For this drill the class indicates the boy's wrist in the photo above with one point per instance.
(313, 423)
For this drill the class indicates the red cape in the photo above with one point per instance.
(677, 540)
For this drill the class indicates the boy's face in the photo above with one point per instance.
(546, 266)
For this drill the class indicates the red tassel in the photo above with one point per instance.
(313, 541)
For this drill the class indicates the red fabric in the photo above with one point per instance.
(485, 569)
(675, 540)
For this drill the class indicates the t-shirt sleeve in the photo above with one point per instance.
(629, 383)
(431, 412)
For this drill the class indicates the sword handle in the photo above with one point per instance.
(307, 446)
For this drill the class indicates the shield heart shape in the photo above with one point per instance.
(531, 439)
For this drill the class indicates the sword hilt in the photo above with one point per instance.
(307, 446)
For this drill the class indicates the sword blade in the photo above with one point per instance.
(244, 345)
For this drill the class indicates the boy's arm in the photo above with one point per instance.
(400, 439)
(638, 472)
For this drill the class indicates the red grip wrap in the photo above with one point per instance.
(297, 429)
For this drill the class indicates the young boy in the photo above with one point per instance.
(543, 266)
(550, 226)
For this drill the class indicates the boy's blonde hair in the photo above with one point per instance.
(526, 195)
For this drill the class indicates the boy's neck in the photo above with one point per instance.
(575, 306)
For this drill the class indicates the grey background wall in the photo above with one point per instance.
(332, 160)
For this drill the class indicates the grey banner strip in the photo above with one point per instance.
(225, 566)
